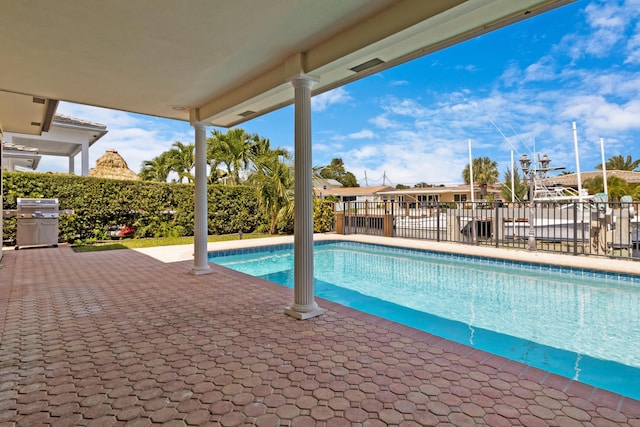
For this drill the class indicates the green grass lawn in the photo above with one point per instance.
(160, 241)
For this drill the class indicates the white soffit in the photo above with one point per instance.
(25, 113)
(217, 60)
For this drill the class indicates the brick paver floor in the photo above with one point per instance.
(119, 338)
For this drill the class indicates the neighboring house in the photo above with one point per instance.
(426, 196)
(65, 137)
(18, 157)
(571, 179)
(354, 194)
(321, 184)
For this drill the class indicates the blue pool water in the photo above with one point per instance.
(578, 323)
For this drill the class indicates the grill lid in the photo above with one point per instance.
(31, 203)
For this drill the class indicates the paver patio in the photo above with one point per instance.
(120, 338)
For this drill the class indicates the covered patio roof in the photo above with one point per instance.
(217, 62)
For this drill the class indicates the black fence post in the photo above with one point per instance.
(575, 228)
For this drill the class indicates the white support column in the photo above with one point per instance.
(1, 192)
(200, 229)
(304, 305)
(72, 165)
(85, 159)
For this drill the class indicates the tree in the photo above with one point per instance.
(261, 149)
(422, 185)
(232, 149)
(620, 163)
(273, 180)
(274, 184)
(520, 186)
(156, 169)
(485, 172)
(402, 187)
(616, 187)
(336, 171)
(181, 160)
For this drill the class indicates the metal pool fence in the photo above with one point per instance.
(590, 228)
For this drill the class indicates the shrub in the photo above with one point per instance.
(153, 209)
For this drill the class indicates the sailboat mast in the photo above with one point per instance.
(604, 166)
(575, 148)
(513, 184)
(471, 173)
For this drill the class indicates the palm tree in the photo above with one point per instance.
(274, 184)
(182, 160)
(617, 187)
(520, 187)
(485, 172)
(232, 149)
(261, 150)
(156, 169)
(620, 163)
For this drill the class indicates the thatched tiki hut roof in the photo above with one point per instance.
(111, 165)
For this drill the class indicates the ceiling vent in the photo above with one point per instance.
(37, 100)
(366, 65)
(247, 113)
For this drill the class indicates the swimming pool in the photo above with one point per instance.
(578, 323)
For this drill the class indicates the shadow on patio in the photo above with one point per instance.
(119, 338)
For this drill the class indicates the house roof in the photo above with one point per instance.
(64, 137)
(218, 62)
(354, 191)
(571, 180)
(113, 166)
(465, 188)
(62, 120)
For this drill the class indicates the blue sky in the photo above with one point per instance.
(519, 88)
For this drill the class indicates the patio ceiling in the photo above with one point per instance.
(223, 62)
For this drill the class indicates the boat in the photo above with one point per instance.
(422, 223)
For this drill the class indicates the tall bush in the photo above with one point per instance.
(153, 209)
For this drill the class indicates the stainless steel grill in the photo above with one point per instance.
(37, 222)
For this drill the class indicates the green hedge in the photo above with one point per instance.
(153, 209)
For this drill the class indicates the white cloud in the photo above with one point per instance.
(543, 69)
(408, 159)
(404, 107)
(512, 75)
(382, 121)
(467, 67)
(398, 83)
(363, 134)
(608, 22)
(325, 100)
(111, 118)
(633, 47)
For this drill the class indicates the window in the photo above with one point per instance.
(428, 198)
(459, 197)
(348, 198)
